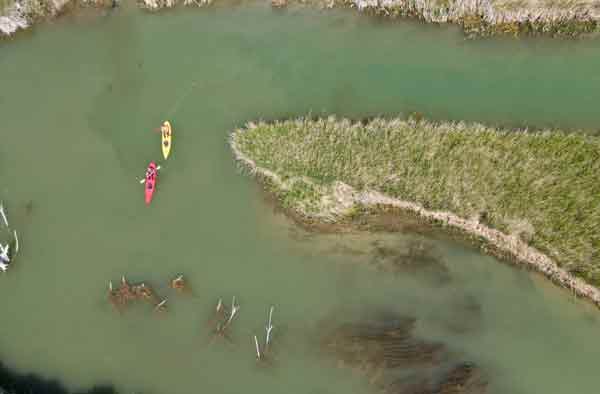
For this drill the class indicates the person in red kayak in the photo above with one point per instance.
(150, 173)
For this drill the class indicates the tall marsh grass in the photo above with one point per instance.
(541, 186)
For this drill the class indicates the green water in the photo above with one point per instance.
(79, 100)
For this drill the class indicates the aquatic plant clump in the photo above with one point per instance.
(516, 188)
(384, 348)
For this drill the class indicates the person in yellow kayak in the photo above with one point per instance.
(167, 137)
(166, 131)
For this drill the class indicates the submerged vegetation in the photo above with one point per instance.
(127, 293)
(416, 258)
(541, 189)
(384, 348)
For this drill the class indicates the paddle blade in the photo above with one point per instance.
(16, 242)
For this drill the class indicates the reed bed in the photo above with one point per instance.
(559, 18)
(540, 188)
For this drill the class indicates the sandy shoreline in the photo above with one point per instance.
(344, 197)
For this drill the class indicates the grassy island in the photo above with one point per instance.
(535, 195)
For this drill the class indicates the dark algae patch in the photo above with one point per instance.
(384, 347)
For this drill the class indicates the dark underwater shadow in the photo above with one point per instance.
(12, 382)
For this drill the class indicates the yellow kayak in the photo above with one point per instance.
(166, 138)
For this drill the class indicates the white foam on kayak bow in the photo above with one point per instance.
(4, 253)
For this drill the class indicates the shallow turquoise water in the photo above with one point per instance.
(79, 100)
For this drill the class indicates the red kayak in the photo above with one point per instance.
(150, 181)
